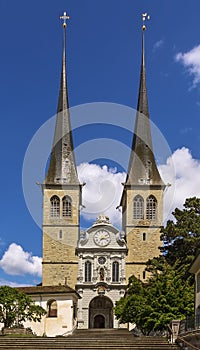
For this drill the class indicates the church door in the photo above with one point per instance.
(101, 313)
(99, 321)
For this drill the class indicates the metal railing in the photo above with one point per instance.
(71, 331)
(190, 324)
(185, 345)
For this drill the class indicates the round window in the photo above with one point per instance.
(101, 260)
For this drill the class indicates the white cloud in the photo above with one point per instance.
(12, 284)
(16, 261)
(102, 192)
(158, 44)
(185, 183)
(103, 187)
(186, 130)
(191, 61)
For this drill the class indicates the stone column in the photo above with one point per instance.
(95, 269)
(123, 273)
(175, 330)
(109, 268)
(80, 309)
(80, 268)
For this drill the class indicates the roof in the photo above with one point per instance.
(62, 167)
(33, 290)
(142, 168)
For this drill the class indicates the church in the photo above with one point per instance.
(84, 273)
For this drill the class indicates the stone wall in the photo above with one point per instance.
(60, 264)
(60, 237)
(140, 250)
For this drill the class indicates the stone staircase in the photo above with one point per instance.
(93, 339)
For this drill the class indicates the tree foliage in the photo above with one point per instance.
(181, 238)
(169, 293)
(152, 306)
(17, 307)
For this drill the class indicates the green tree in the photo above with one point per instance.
(133, 307)
(181, 238)
(153, 305)
(17, 307)
(169, 293)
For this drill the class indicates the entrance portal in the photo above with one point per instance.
(101, 313)
(99, 321)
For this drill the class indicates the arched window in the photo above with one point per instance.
(52, 308)
(66, 207)
(88, 271)
(144, 236)
(138, 207)
(151, 207)
(55, 207)
(115, 271)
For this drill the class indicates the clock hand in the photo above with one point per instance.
(104, 237)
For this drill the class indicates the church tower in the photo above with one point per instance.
(142, 197)
(61, 196)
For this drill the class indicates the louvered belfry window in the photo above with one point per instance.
(151, 208)
(55, 207)
(67, 207)
(138, 207)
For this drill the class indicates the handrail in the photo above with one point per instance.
(186, 343)
(171, 333)
(170, 330)
(70, 331)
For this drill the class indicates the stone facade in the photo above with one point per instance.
(60, 237)
(102, 282)
(99, 261)
(64, 316)
(142, 235)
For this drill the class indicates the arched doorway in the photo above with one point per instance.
(99, 321)
(101, 313)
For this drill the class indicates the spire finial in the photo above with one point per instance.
(145, 16)
(65, 17)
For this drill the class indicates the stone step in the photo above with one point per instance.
(97, 345)
(93, 339)
(90, 347)
(102, 333)
(84, 341)
(95, 348)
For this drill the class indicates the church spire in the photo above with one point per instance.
(62, 168)
(142, 166)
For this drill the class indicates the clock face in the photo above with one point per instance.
(102, 238)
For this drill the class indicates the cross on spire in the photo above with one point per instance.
(65, 17)
(145, 16)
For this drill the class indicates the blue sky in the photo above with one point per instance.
(103, 63)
